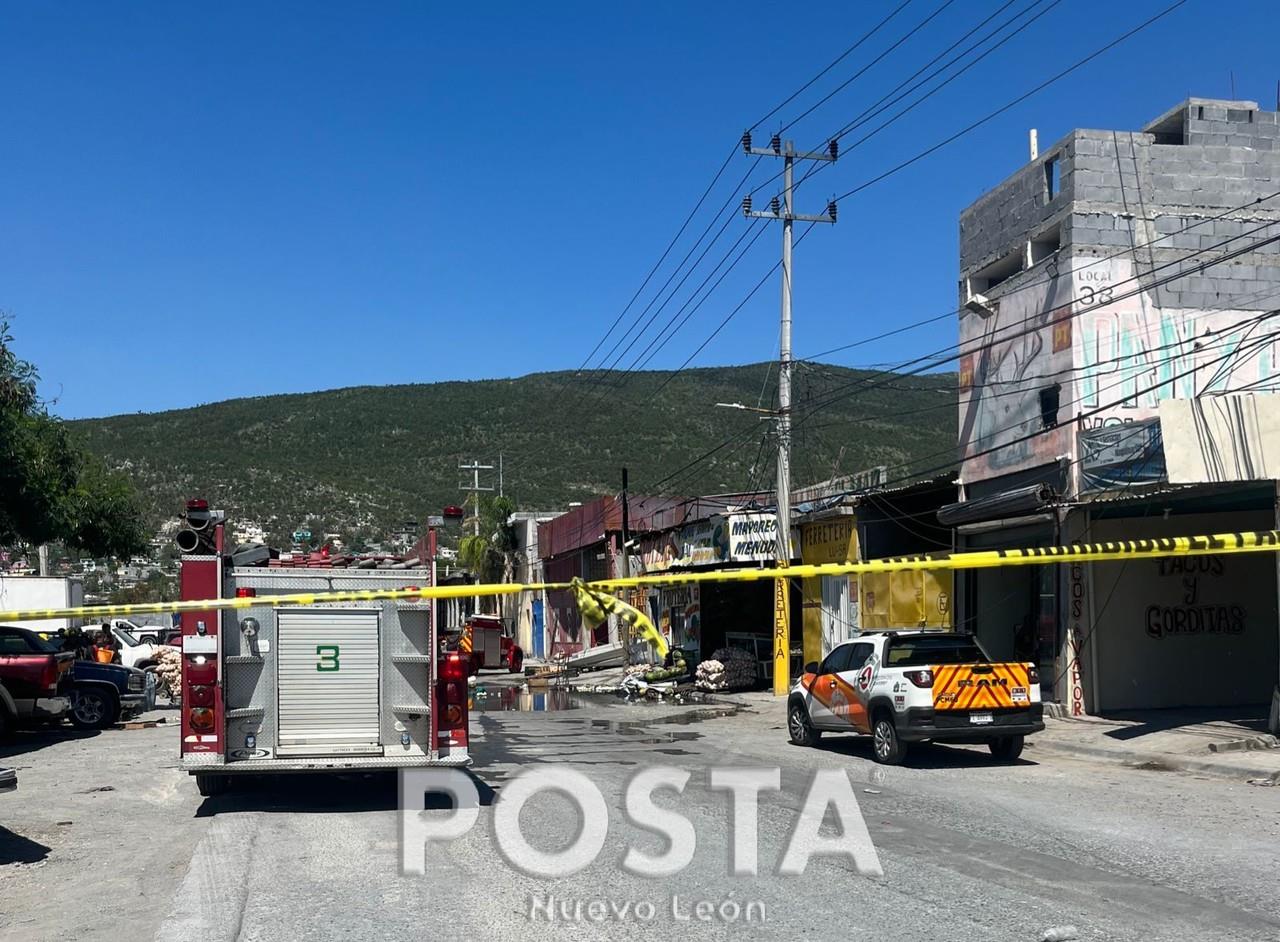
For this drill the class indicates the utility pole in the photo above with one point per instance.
(626, 567)
(474, 487)
(786, 213)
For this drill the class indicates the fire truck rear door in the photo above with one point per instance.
(328, 682)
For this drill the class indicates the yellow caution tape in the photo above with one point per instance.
(1261, 541)
(92, 612)
(595, 605)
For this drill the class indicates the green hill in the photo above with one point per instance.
(367, 458)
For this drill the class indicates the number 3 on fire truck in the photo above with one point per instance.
(328, 654)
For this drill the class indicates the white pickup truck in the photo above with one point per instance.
(134, 652)
(910, 686)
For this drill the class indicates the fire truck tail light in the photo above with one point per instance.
(201, 695)
(201, 719)
(201, 671)
(1033, 674)
(246, 593)
(453, 667)
(921, 678)
(453, 690)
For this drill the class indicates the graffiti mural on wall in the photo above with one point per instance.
(1008, 358)
(1131, 353)
(1082, 351)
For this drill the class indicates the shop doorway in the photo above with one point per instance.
(1013, 612)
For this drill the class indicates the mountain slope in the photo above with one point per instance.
(371, 457)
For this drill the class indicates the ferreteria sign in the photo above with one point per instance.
(754, 537)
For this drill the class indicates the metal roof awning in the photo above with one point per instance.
(1019, 502)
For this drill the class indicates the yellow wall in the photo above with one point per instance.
(826, 541)
(906, 599)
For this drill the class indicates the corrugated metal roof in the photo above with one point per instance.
(588, 524)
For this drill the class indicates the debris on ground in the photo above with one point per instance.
(1152, 765)
(1059, 934)
(1263, 741)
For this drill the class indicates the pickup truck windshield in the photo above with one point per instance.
(127, 637)
(18, 641)
(934, 649)
(42, 645)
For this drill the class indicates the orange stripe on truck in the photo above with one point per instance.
(979, 686)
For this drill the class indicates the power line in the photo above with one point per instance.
(1065, 371)
(719, 233)
(903, 89)
(742, 433)
(1256, 345)
(720, 172)
(1016, 101)
(655, 345)
(838, 59)
(676, 271)
(1057, 77)
(1230, 353)
(954, 312)
(662, 258)
(862, 71)
(937, 358)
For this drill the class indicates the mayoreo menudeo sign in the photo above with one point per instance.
(754, 537)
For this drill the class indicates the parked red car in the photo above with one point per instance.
(30, 676)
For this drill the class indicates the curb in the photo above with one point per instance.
(1170, 761)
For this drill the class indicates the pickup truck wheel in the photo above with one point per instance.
(92, 708)
(887, 748)
(799, 726)
(210, 785)
(1007, 748)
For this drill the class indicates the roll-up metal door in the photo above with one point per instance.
(328, 682)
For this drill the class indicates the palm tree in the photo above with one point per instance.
(489, 553)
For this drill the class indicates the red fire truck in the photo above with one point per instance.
(330, 687)
(485, 641)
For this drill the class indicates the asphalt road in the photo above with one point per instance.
(970, 849)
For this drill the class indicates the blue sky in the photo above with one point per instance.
(206, 201)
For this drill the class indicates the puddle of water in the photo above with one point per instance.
(652, 740)
(690, 717)
(514, 700)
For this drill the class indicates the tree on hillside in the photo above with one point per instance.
(489, 555)
(51, 489)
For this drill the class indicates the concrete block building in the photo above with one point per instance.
(1116, 270)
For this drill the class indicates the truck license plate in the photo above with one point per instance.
(979, 719)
